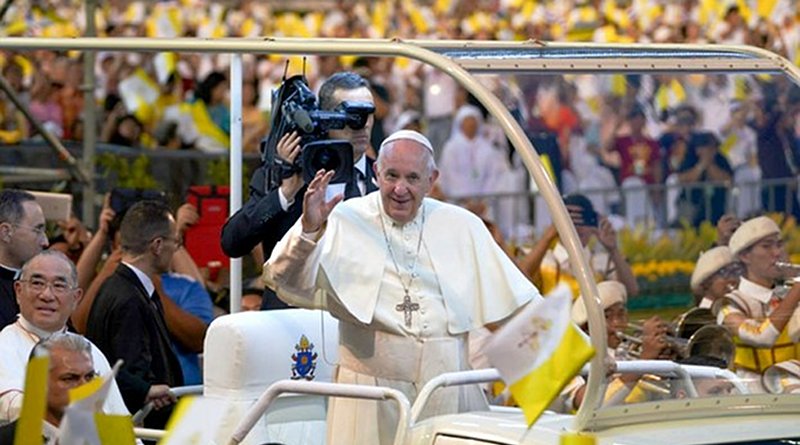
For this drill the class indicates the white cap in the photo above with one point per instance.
(611, 293)
(709, 263)
(752, 231)
(410, 135)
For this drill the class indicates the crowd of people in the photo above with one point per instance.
(642, 130)
(408, 276)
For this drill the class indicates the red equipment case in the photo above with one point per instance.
(202, 240)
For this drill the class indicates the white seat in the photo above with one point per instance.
(247, 352)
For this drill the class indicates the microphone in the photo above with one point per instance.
(303, 120)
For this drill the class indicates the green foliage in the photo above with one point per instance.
(219, 173)
(129, 174)
(684, 244)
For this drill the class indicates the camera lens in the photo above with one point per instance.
(325, 158)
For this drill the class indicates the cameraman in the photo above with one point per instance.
(268, 214)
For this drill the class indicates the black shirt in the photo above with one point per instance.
(8, 300)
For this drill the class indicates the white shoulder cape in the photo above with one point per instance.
(479, 283)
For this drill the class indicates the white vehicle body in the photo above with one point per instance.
(730, 419)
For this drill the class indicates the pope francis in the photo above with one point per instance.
(407, 276)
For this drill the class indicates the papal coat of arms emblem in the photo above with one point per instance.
(304, 360)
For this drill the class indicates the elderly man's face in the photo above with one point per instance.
(404, 178)
(26, 237)
(68, 370)
(359, 138)
(46, 293)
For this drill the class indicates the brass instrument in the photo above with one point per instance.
(788, 267)
(791, 276)
(695, 332)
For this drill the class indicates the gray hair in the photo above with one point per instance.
(73, 271)
(429, 159)
(67, 341)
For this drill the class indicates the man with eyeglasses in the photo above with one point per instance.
(127, 321)
(47, 293)
(763, 320)
(71, 365)
(22, 235)
(269, 213)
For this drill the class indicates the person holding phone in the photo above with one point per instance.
(548, 262)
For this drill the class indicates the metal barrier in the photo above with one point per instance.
(517, 213)
(32, 165)
(665, 205)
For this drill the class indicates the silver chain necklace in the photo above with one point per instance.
(407, 307)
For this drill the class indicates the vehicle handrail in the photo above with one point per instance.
(322, 389)
(450, 379)
(149, 433)
(685, 372)
(717, 373)
(178, 391)
(658, 367)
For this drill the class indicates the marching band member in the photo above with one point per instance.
(716, 273)
(613, 298)
(764, 323)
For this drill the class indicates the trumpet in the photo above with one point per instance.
(694, 332)
(791, 272)
(788, 267)
(632, 343)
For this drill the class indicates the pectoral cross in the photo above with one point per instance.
(407, 307)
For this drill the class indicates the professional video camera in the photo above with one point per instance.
(296, 108)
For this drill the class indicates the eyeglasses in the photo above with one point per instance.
(38, 230)
(39, 285)
(72, 379)
(733, 270)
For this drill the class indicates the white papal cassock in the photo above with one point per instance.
(461, 281)
(16, 343)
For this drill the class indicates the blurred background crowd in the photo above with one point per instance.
(681, 141)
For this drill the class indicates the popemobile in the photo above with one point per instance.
(269, 374)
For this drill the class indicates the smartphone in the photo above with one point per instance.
(55, 206)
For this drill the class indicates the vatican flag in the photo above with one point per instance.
(538, 352)
(85, 424)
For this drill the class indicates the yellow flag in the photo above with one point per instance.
(83, 421)
(195, 420)
(538, 352)
(114, 429)
(34, 404)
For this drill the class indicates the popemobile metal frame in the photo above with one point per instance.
(461, 60)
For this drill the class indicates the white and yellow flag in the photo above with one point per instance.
(538, 352)
(196, 420)
(84, 423)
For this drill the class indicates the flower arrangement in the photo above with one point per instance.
(663, 262)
